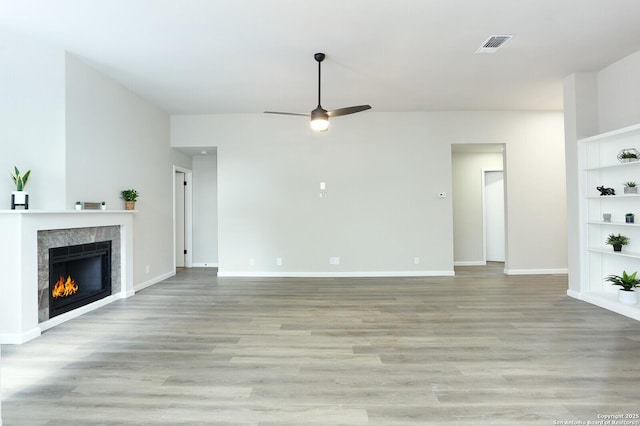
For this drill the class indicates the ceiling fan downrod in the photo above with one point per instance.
(319, 57)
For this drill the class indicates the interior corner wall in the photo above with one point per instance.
(468, 213)
(32, 114)
(205, 210)
(581, 120)
(116, 141)
(383, 173)
(619, 94)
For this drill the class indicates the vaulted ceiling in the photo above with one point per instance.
(247, 56)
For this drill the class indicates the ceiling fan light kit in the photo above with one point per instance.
(320, 116)
(319, 120)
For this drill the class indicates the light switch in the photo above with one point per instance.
(323, 186)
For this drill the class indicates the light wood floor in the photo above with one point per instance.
(476, 349)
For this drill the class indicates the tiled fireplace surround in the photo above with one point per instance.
(25, 260)
(67, 237)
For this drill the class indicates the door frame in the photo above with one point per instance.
(188, 221)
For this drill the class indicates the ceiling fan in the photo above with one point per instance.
(320, 116)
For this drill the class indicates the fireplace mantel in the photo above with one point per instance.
(19, 260)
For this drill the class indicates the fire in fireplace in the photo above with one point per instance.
(78, 275)
(64, 288)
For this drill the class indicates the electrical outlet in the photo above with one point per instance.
(334, 261)
(416, 260)
(278, 261)
(252, 261)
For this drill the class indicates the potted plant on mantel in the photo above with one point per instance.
(617, 241)
(629, 218)
(628, 282)
(130, 196)
(19, 197)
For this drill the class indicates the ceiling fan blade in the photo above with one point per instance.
(286, 113)
(348, 110)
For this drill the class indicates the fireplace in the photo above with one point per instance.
(78, 275)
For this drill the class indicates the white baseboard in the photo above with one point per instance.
(358, 274)
(205, 265)
(574, 294)
(19, 338)
(562, 271)
(142, 286)
(470, 263)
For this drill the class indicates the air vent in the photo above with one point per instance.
(493, 43)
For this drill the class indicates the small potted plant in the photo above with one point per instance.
(629, 218)
(628, 282)
(630, 188)
(130, 196)
(617, 241)
(628, 155)
(20, 197)
(78, 205)
(103, 205)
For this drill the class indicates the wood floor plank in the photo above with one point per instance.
(478, 348)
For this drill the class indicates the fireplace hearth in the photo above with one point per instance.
(78, 275)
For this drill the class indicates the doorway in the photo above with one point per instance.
(182, 217)
(469, 165)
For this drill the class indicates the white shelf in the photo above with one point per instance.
(609, 251)
(21, 211)
(600, 166)
(606, 197)
(614, 223)
(613, 165)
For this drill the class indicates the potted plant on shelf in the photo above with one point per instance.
(20, 197)
(628, 155)
(78, 205)
(630, 188)
(617, 241)
(130, 196)
(629, 218)
(628, 282)
(103, 205)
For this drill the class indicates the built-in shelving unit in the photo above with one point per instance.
(600, 166)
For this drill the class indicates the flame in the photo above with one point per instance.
(64, 288)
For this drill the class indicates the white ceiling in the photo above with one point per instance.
(247, 56)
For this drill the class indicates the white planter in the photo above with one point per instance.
(19, 197)
(78, 206)
(627, 297)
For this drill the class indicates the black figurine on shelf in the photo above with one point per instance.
(606, 191)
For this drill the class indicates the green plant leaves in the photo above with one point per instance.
(20, 180)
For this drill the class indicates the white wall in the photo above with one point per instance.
(581, 120)
(32, 109)
(116, 140)
(619, 94)
(383, 172)
(205, 210)
(468, 235)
